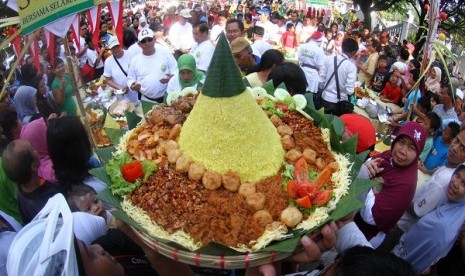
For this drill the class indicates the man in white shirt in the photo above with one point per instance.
(180, 34)
(270, 28)
(311, 58)
(307, 30)
(81, 52)
(150, 71)
(346, 76)
(218, 28)
(259, 44)
(203, 48)
(294, 19)
(116, 69)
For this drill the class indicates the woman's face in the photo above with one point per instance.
(339, 37)
(456, 188)
(60, 69)
(186, 75)
(404, 152)
(432, 73)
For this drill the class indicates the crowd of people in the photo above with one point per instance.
(405, 228)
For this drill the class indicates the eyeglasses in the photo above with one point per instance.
(457, 142)
(147, 39)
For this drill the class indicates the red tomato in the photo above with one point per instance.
(304, 202)
(283, 107)
(132, 171)
(301, 173)
(322, 197)
(308, 189)
(292, 189)
(324, 177)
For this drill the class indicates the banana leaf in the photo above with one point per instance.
(132, 119)
(146, 106)
(114, 134)
(105, 154)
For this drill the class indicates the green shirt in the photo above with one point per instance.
(8, 203)
(69, 106)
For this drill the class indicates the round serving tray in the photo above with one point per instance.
(212, 261)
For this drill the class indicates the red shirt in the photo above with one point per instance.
(289, 39)
(392, 93)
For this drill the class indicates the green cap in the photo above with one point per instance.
(224, 78)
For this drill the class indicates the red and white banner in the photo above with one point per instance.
(75, 31)
(50, 38)
(116, 10)
(93, 15)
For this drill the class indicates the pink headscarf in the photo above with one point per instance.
(36, 133)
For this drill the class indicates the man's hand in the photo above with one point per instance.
(135, 86)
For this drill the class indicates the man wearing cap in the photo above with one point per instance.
(259, 44)
(116, 69)
(270, 28)
(180, 34)
(150, 71)
(311, 58)
(203, 48)
(243, 55)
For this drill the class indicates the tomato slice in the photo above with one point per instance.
(301, 173)
(323, 178)
(292, 189)
(307, 189)
(132, 171)
(304, 202)
(283, 107)
(322, 197)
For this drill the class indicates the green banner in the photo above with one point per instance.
(318, 2)
(34, 14)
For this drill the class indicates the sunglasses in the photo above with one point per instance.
(147, 39)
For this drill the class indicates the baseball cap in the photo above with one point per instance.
(238, 45)
(113, 41)
(186, 13)
(265, 11)
(146, 32)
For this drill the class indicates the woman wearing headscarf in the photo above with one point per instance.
(433, 235)
(396, 170)
(26, 105)
(36, 133)
(433, 82)
(338, 43)
(187, 76)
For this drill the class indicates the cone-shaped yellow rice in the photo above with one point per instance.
(232, 134)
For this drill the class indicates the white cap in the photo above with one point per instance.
(113, 41)
(459, 93)
(146, 32)
(186, 13)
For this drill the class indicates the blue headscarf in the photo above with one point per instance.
(432, 237)
(24, 103)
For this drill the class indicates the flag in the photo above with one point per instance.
(116, 10)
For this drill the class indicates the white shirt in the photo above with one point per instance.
(347, 74)
(181, 36)
(92, 58)
(270, 30)
(306, 33)
(134, 50)
(148, 70)
(112, 70)
(216, 31)
(261, 46)
(429, 196)
(203, 53)
(174, 86)
(311, 54)
(83, 57)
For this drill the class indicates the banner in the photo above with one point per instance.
(34, 14)
(317, 3)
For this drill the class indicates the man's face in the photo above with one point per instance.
(233, 31)
(222, 20)
(263, 17)
(456, 153)
(83, 30)
(117, 51)
(147, 44)
(104, 27)
(456, 189)
(198, 36)
(242, 59)
(294, 17)
(443, 95)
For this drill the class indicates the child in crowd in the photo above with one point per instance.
(381, 75)
(431, 122)
(391, 93)
(328, 43)
(438, 155)
(289, 39)
(83, 198)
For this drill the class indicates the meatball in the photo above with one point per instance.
(291, 216)
(276, 120)
(247, 188)
(284, 130)
(174, 155)
(196, 171)
(175, 131)
(263, 217)
(288, 142)
(170, 145)
(256, 201)
(320, 164)
(182, 164)
(293, 155)
(310, 156)
(231, 181)
(211, 180)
